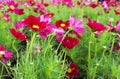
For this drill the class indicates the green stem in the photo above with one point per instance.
(6, 68)
(98, 63)
(113, 41)
(29, 46)
(13, 45)
(48, 44)
(2, 71)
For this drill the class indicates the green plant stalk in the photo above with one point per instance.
(63, 63)
(111, 49)
(98, 63)
(13, 45)
(29, 46)
(48, 44)
(6, 69)
(89, 58)
(2, 70)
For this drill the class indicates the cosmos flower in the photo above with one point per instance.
(117, 47)
(118, 25)
(93, 5)
(117, 12)
(35, 23)
(72, 70)
(19, 25)
(70, 42)
(59, 33)
(77, 26)
(17, 34)
(5, 54)
(63, 24)
(13, 8)
(7, 18)
(68, 2)
(96, 25)
(56, 1)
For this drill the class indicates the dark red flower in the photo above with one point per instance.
(19, 11)
(117, 12)
(35, 23)
(93, 5)
(17, 34)
(72, 70)
(95, 25)
(117, 47)
(70, 42)
(63, 24)
(50, 14)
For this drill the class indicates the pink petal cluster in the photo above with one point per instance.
(5, 54)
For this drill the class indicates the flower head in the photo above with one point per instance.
(70, 42)
(63, 24)
(17, 34)
(19, 24)
(35, 23)
(4, 54)
(72, 70)
(13, 8)
(77, 26)
(96, 25)
(118, 25)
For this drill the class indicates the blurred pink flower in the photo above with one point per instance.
(59, 33)
(77, 26)
(118, 25)
(13, 8)
(4, 54)
(19, 24)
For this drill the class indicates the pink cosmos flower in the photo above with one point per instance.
(76, 25)
(4, 54)
(118, 25)
(13, 8)
(112, 28)
(40, 8)
(56, 1)
(7, 18)
(59, 33)
(19, 25)
(40, 24)
(68, 2)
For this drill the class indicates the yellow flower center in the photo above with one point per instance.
(35, 26)
(12, 7)
(5, 18)
(62, 25)
(69, 70)
(1, 54)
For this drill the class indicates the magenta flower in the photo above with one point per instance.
(76, 25)
(56, 1)
(68, 2)
(13, 8)
(118, 25)
(7, 18)
(19, 24)
(112, 28)
(59, 33)
(12, 5)
(4, 54)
